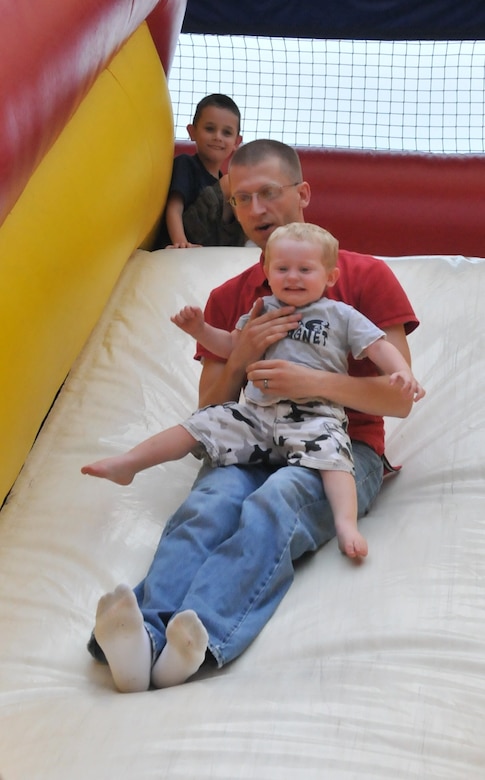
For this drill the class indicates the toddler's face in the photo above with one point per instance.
(296, 271)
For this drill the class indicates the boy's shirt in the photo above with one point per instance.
(189, 178)
(328, 331)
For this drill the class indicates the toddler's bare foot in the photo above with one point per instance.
(184, 652)
(117, 469)
(121, 634)
(351, 542)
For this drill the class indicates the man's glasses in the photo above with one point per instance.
(265, 194)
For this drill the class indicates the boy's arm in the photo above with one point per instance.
(390, 361)
(190, 319)
(218, 341)
(175, 225)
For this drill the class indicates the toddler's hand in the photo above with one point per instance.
(408, 384)
(190, 319)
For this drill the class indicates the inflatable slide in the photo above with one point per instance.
(371, 671)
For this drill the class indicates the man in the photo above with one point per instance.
(225, 559)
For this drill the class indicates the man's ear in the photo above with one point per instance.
(304, 192)
(332, 277)
(191, 132)
(225, 166)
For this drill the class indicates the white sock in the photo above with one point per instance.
(121, 634)
(184, 652)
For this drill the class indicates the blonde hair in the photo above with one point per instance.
(305, 231)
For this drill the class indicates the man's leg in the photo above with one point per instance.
(240, 585)
(208, 517)
(240, 571)
(184, 652)
(121, 635)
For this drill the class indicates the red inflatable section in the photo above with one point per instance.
(393, 204)
(398, 203)
(165, 23)
(50, 55)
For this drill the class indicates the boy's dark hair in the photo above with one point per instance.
(218, 101)
(257, 151)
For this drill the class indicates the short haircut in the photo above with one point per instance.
(259, 150)
(305, 231)
(218, 101)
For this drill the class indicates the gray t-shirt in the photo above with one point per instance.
(328, 331)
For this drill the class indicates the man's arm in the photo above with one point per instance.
(370, 395)
(218, 384)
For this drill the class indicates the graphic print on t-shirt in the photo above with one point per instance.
(311, 332)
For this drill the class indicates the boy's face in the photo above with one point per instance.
(216, 135)
(296, 271)
(261, 215)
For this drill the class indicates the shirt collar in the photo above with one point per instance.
(261, 277)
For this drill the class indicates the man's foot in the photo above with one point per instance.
(184, 652)
(117, 469)
(352, 543)
(121, 634)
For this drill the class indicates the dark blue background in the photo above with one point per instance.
(347, 19)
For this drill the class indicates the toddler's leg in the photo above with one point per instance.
(184, 652)
(342, 495)
(172, 444)
(121, 634)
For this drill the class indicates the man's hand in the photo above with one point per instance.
(285, 379)
(261, 331)
(371, 395)
(220, 382)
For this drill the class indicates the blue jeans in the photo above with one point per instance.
(228, 551)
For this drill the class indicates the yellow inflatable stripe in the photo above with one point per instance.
(91, 202)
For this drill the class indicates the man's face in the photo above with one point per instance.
(266, 198)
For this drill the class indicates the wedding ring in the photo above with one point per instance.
(265, 384)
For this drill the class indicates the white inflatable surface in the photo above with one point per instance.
(371, 671)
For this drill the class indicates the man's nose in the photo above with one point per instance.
(257, 205)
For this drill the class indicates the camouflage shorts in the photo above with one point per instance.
(310, 434)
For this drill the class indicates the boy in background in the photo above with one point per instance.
(197, 212)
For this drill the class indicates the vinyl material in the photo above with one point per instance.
(364, 672)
